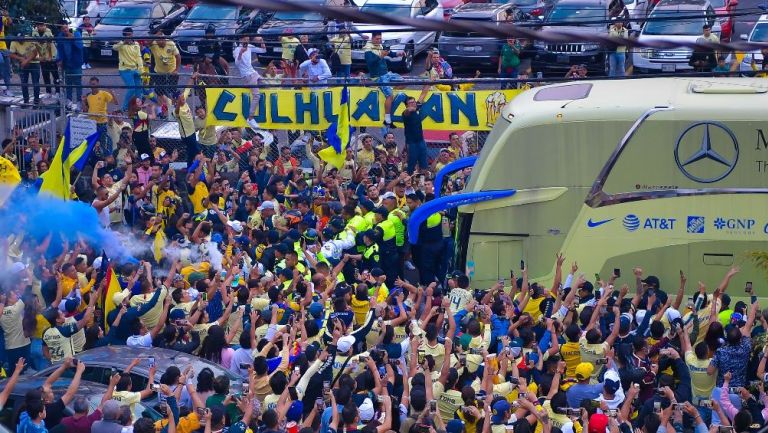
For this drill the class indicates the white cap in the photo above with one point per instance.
(237, 226)
(672, 314)
(144, 157)
(366, 410)
(266, 205)
(639, 316)
(389, 194)
(97, 262)
(345, 343)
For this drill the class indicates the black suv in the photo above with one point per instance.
(228, 20)
(587, 17)
(143, 16)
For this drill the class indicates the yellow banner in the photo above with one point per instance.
(316, 109)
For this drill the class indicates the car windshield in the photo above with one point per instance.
(522, 2)
(75, 8)
(576, 14)
(203, 12)
(401, 11)
(139, 409)
(461, 34)
(760, 33)
(665, 25)
(122, 16)
(298, 16)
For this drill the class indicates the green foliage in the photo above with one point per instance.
(25, 13)
(760, 259)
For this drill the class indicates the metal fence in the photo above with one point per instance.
(25, 122)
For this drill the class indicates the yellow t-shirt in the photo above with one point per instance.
(533, 307)
(6, 22)
(48, 50)
(59, 346)
(289, 44)
(365, 157)
(200, 192)
(186, 121)
(78, 338)
(11, 324)
(447, 401)
(129, 398)
(164, 57)
(26, 49)
(459, 298)
(202, 329)
(97, 105)
(437, 351)
(592, 352)
(129, 55)
(571, 354)
(702, 383)
(360, 308)
(152, 316)
(42, 325)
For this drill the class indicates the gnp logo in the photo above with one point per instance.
(734, 225)
(633, 223)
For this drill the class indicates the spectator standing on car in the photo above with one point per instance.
(244, 63)
(509, 60)
(167, 59)
(27, 53)
(377, 57)
(5, 55)
(70, 50)
(414, 135)
(617, 58)
(87, 32)
(130, 64)
(48, 56)
(96, 104)
(315, 70)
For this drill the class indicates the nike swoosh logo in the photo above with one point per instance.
(592, 224)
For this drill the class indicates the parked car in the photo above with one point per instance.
(100, 361)
(725, 10)
(77, 9)
(533, 8)
(143, 16)
(92, 391)
(587, 17)
(475, 50)
(229, 20)
(401, 39)
(758, 34)
(297, 22)
(668, 29)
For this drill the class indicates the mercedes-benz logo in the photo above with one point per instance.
(706, 151)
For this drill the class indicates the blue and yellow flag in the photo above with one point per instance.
(9, 178)
(55, 181)
(338, 135)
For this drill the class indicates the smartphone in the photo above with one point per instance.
(200, 411)
(75, 361)
(156, 387)
(725, 429)
(151, 361)
(326, 387)
(320, 404)
(114, 371)
(571, 411)
(363, 358)
(601, 361)
(597, 277)
(433, 406)
(204, 296)
(690, 303)
(462, 359)
(748, 286)
(380, 398)
(522, 264)
(420, 357)
(245, 366)
(733, 390)
(656, 407)
(677, 406)
(617, 272)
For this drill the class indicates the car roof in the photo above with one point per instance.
(479, 10)
(763, 18)
(388, 2)
(121, 356)
(59, 387)
(683, 4)
(583, 3)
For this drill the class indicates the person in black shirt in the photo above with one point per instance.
(414, 135)
(55, 408)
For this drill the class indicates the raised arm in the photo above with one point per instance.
(20, 365)
(72, 388)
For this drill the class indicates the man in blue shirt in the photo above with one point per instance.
(377, 57)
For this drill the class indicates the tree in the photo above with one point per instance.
(26, 13)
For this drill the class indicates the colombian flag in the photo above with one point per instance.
(55, 181)
(338, 135)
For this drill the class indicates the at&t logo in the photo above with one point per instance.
(633, 223)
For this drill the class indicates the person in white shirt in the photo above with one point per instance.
(315, 70)
(141, 336)
(244, 63)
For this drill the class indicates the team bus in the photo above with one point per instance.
(668, 174)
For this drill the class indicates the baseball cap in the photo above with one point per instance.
(366, 410)
(611, 381)
(454, 426)
(177, 314)
(295, 411)
(377, 272)
(584, 370)
(345, 343)
(118, 297)
(598, 423)
(312, 51)
(266, 205)
(652, 280)
(316, 310)
(389, 194)
(144, 157)
(237, 226)
(500, 409)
